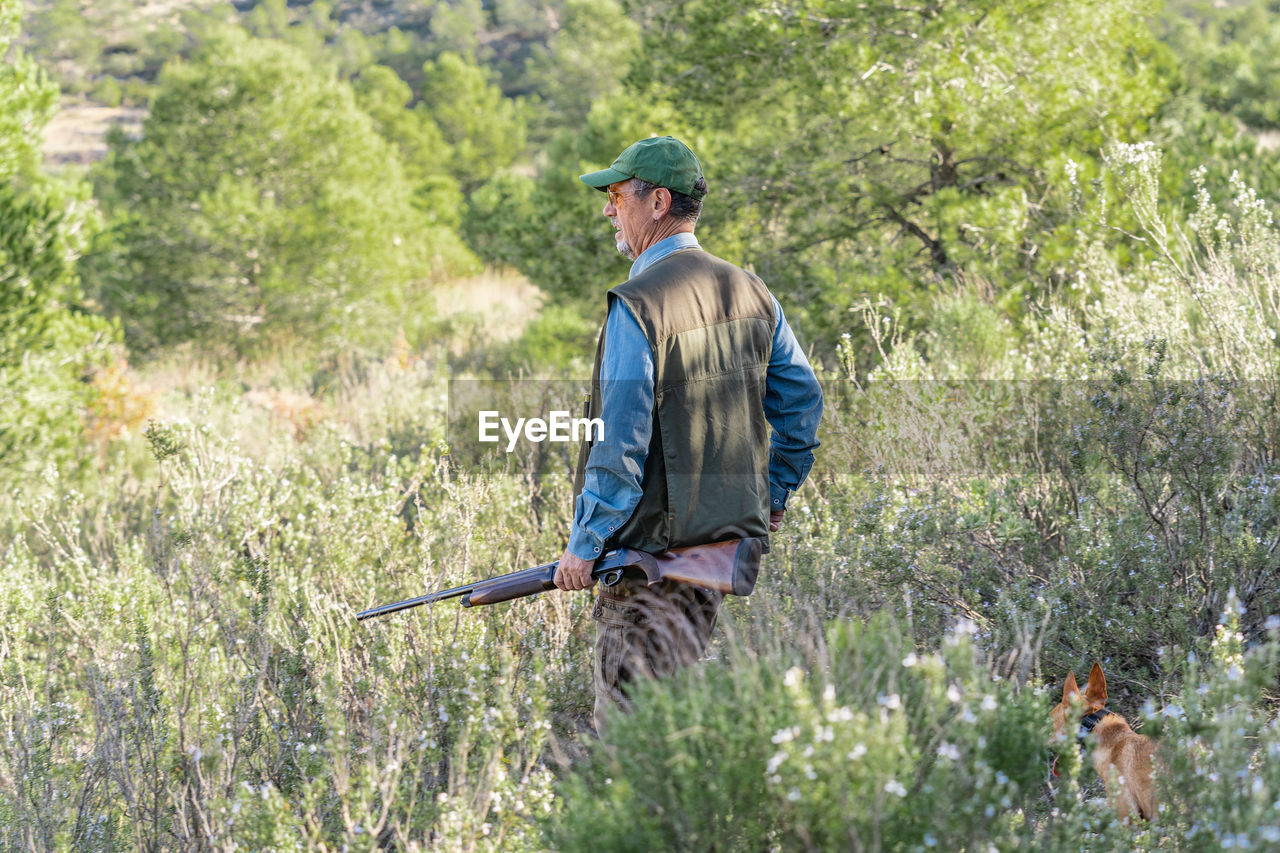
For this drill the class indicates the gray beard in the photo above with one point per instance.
(624, 248)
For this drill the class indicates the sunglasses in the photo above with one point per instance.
(616, 196)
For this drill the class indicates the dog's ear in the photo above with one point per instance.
(1069, 689)
(1096, 692)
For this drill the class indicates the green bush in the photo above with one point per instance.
(859, 741)
(1220, 737)
(261, 207)
(49, 344)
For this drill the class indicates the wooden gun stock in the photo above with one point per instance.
(729, 567)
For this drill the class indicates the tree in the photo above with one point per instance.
(425, 155)
(484, 129)
(260, 202)
(893, 148)
(582, 63)
(47, 343)
(550, 227)
(1231, 53)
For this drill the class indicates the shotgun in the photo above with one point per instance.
(729, 567)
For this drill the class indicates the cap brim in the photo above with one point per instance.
(603, 178)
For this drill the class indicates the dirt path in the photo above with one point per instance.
(78, 133)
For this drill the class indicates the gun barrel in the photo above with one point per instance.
(458, 591)
(429, 598)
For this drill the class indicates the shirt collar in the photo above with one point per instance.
(662, 248)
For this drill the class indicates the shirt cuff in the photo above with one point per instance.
(777, 498)
(584, 544)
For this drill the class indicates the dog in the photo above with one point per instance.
(1121, 756)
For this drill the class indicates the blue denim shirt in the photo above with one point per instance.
(611, 488)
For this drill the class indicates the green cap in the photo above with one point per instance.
(661, 160)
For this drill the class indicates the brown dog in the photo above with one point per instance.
(1121, 756)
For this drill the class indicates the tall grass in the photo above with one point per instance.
(180, 668)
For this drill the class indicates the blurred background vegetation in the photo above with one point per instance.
(244, 247)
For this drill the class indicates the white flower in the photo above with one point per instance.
(785, 735)
(910, 660)
(794, 676)
(778, 757)
(988, 702)
(948, 750)
(843, 714)
(953, 693)
(893, 701)
(857, 752)
(893, 786)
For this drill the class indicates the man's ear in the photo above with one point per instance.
(661, 202)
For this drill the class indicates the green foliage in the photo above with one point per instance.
(1151, 439)
(423, 151)
(27, 96)
(215, 662)
(873, 748)
(47, 343)
(180, 666)
(885, 150)
(259, 203)
(1221, 779)
(582, 63)
(557, 340)
(109, 50)
(1229, 53)
(485, 131)
(551, 228)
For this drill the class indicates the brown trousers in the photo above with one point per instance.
(647, 632)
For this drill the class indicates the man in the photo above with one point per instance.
(694, 364)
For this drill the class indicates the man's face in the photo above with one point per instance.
(630, 215)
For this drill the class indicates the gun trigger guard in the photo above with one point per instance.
(611, 577)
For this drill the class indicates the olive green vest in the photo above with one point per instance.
(710, 328)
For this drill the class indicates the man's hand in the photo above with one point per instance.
(573, 572)
(775, 519)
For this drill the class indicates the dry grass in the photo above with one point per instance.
(499, 302)
(78, 133)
